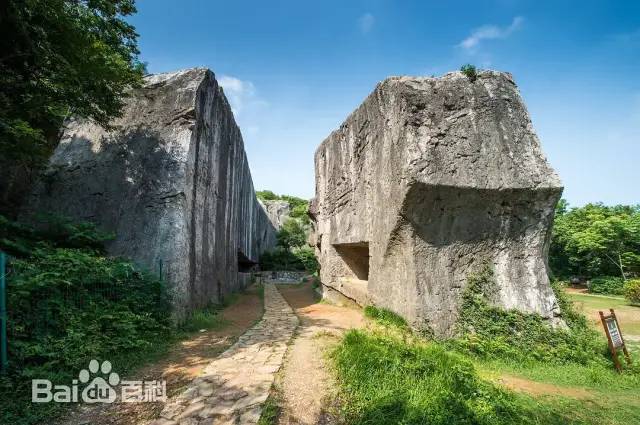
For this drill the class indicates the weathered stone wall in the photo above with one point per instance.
(278, 211)
(428, 178)
(171, 180)
(281, 276)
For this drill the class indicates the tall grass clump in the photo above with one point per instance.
(387, 380)
(385, 317)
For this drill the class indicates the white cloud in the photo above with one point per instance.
(490, 32)
(366, 22)
(241, 94)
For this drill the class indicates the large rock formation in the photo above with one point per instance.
(278, 211)
(171, 180)
(426, 180)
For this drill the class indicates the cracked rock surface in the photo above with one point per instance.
(233, 387)
(424, 181)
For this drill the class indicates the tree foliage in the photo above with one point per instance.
(298, 206)
(293, 234)
(292, 252)
(298, 259)
(61, 58)
(596, 240)
(68, 303)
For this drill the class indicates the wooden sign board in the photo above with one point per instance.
(614, 337)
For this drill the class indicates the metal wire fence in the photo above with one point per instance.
(39, 310)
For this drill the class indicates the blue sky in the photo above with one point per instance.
(294, 70)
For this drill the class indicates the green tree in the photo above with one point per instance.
(596, 240)
(266, 195)
(293, 234)
(60, 58)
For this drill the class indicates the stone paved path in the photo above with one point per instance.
(234, 386)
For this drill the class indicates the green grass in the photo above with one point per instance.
(603, 302)
(270, 412)
(389, 375)
(589, 305)
(208, 318)
(385, 379)
(385, 317)
(592, 376)
(612, 398)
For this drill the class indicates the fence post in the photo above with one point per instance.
(160, 267)
(3, 312)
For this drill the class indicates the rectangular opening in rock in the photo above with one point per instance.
(441, 176)
(245, 265)
(356, 258)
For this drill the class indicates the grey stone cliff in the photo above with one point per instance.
(171, 180)
(278, 211)
(423, 182)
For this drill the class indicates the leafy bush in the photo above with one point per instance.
(389, 380)
(266, 195)
(307, 257)
(385, 317)
(204, 318)
(49, 230)
(280, 259)
(632, 291)
(470, 71)
(315, 282)
(293, 234)
(299, 259)
(609, 285)
(491, 332)
(67, 306)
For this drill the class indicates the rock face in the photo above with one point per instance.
(425, 181)
(171, 180)
(278, 212)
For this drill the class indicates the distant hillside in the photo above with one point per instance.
(298, 206)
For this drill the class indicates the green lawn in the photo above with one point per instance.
(610, 397)
(388, 375)
(628, 315)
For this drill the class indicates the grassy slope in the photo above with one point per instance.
(613, 398)
(389, 376)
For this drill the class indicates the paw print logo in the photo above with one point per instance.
(99, 390)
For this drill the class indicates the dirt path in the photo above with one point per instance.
(305, 382)
(536, 388)
(180, 366)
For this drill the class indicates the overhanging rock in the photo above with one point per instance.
(171, 180)
(426, 180)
